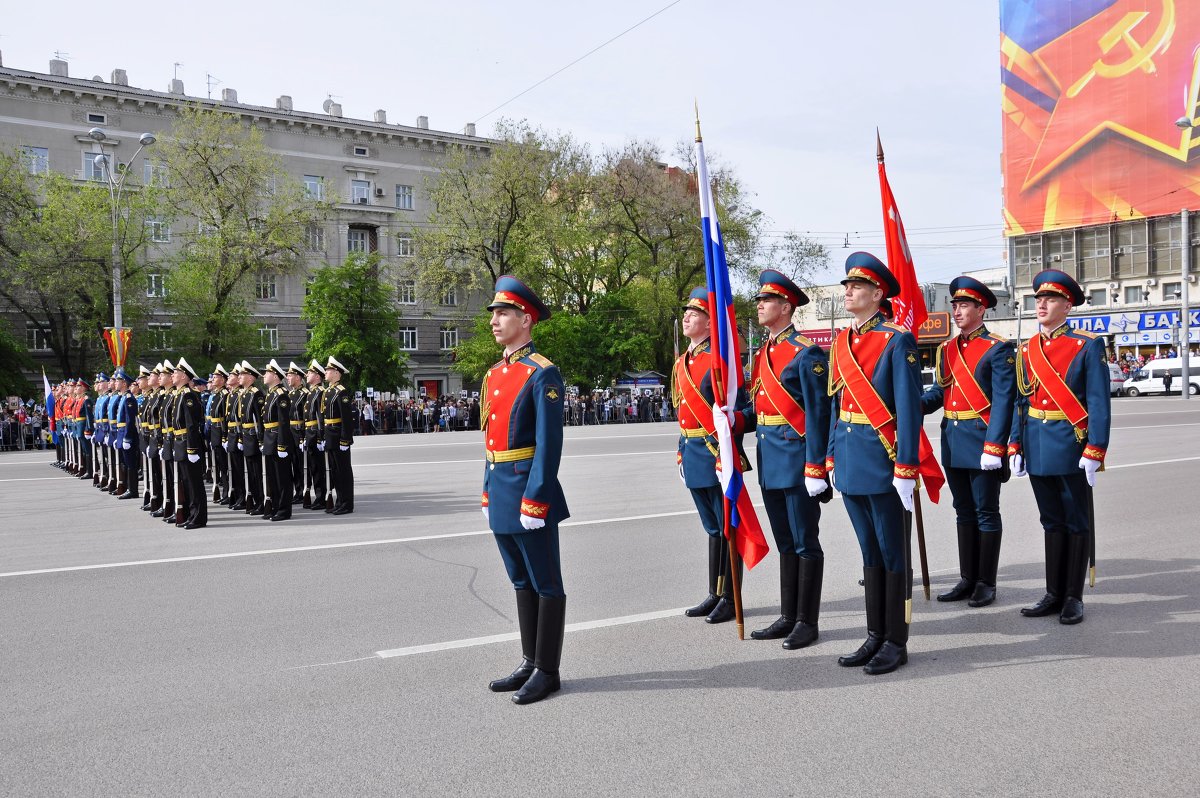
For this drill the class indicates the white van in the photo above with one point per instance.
(1149, 378)
(1116, 379)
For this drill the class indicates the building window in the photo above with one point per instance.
(37, 159)
(155, 287)
(449, 338)
(308, 284)
(404, 198)
(158, 336)
(406, 292)
(35, 338)
(1172, 291)
(97, 118)
(1133, 294)
(1029, 303)
(356, 240)
(1097, 297)
(405, 247)
(408, 339)
(314, 186)
(160, 231)
(1166, 237)
(450, 297)
(268, 338)
(361, 151)
(308, 333)
(91, 169)
(315, 237)
(360, 191)
(205, 229)
(264, 286)
(154, 174)
(1130, 250)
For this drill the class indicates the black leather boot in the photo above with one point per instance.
(989, 564)
(726, 610)
(873, 589)
(789, 575)
(1077, 566)
(968, 564)
(804, 634)
(527, 622)
(894, 651)
(715, 549)
(1052, 602)
(551, 625)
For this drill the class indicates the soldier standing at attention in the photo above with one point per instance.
(166, 412)
(297, 398)
(277, 443)
(314, 435)
(126, 445)
(337, 414)
(974, 384)
(233, 440)
(691, 391)
(523, 501)
(190, 443)
(154, 431)
(791, 414)
(250, 444)
(1060, 435)
(875, 381)
(214, 414)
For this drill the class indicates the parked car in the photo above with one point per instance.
(1116, 379)
(1149, 378)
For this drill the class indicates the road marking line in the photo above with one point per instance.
(36, 479)
(480, 460)
(1150, 463)
(1158, 426)
(582, 626)
(324, 546)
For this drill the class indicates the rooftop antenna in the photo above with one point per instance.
(329, 98)
(846, 243)
(213, 80)
(177, 66)
(61, 56)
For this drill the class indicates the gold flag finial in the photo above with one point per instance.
(878, 146)
(697, 104)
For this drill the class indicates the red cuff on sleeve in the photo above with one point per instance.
(534, 509)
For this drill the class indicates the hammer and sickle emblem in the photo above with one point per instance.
(1140, 54)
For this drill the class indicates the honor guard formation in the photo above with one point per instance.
(263, 449)
(850, 420)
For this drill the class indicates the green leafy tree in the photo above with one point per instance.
(354, 319)
(250, 217)
(56, 261)
(14, 360)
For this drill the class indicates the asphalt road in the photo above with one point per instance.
(350, 655)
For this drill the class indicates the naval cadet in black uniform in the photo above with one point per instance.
(250, 407)
(314, 435)
(337, 414)
(522, 400)
(277, 443)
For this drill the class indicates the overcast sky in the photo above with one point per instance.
(790, 93)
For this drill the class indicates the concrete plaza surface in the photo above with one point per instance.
(350, 655)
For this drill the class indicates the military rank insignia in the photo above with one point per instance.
(552, 394)
(911, 357)
(818, 369)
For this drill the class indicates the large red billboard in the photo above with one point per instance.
(1095, 95)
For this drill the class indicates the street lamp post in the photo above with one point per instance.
(115, 180)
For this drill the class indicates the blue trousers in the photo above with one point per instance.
(710, 503)
(878, 520)
(532, 560)
(976, 497)
(1062, 502)
(795, 518)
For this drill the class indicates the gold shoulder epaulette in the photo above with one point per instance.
(891, 325)
(541, 360)
(802, 340)
(1085, 333)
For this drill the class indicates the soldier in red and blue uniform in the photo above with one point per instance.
(100, 433)
(123, 407)
(692, 395)
(521, 415)
(791, 417)
(974, 385)
(1060, 435)
(875, 382)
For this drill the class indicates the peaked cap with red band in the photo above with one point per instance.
(1053, 281)
(512, 293)
(866, 268)
(969, 288)
(698, 300)
(774, 284)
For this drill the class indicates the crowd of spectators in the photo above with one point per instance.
(23, 428)
(1130, 363)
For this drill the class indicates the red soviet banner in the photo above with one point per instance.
(1091, 92)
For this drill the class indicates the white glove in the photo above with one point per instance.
(344, 448)
(905, 488)
(829, 473)
(1090, 467)
(282, 454)
(814, 486)
(990, 462)
(486, 514)
(193, 458)
(240, 447)
(682, 478)
(162, 453)
(529, 522)
(303, 446)
(124, 444)
(320, 446)
(1017, 464)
